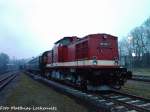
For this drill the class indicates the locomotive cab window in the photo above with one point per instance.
(64, 41)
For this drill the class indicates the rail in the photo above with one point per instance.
(112, 101)
(4, 80)
(128, 101)
(141, 78)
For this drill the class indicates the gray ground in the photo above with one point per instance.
(23, 91)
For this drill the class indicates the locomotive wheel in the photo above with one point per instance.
(83, 85)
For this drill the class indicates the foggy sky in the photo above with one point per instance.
(29, 27)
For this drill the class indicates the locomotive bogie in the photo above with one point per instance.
(91, 78)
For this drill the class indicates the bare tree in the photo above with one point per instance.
(124, 52)
(146, 26)
(139, 43)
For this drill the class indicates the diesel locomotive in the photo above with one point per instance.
(90, 63)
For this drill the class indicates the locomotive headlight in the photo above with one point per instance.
(94, 61)
(116, 61)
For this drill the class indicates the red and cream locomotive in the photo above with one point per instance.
(90, 62)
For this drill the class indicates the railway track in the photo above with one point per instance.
(127, 102)
(113, 101)
(141, 78)
(6, 79)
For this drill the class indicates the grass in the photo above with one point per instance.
(137, 88)
(141, 71)
(31, 93)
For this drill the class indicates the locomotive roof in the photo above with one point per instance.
(100, 34)
(90, 36)
(73, 37)
(83, 37)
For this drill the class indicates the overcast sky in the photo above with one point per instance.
(29, 27)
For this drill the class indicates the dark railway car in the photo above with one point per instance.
(38, 64)
(33, 65)
(89, 63)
